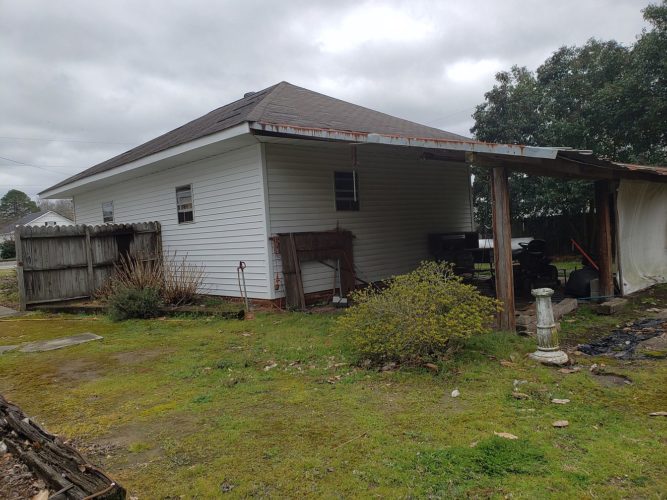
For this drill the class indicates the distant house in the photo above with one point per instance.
(41, 218)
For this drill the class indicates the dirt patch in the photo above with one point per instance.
(135, 357)
(611, 379)
(75, 370)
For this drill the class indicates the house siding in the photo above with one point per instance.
(402, 199)
(229, 216)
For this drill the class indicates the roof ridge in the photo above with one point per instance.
(258, 109)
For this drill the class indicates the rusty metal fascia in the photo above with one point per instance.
(415, 142)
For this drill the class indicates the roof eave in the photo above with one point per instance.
(65, 189)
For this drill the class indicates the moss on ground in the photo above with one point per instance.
(275, 407)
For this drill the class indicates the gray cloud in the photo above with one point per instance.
(114, 74)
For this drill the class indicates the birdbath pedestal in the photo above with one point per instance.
(548, 351)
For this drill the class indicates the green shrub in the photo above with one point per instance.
(419, 316)
(126, 303)
(8, 249)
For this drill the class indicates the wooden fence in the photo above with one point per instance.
(70, 262)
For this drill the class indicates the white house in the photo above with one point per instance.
(288, 161)
(41, 218)
(225, 183)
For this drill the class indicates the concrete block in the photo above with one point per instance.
(612, 306)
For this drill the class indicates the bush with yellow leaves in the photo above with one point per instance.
(420, 316)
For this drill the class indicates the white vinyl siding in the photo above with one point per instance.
(402, 198)
(229, 224)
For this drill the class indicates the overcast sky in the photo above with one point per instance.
(85, 80)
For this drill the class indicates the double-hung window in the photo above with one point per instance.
(185, 204)
(107, 211)
(346, 187)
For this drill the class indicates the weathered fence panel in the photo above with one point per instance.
(68, 262)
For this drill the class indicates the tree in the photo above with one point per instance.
(15, 204)
(601, 96)
(63, 207)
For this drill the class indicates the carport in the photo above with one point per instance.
(632, 198)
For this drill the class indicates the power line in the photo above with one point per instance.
(39, 166)
(65, 140)
(10, 159)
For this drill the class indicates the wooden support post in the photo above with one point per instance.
(19, 268)
(502, 247)
(603, 217)
(89, 262)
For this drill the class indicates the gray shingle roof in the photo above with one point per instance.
(9, 228)
(283, 104)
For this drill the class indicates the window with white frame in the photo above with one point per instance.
(107, 211)
(185, 204)
(346, 187)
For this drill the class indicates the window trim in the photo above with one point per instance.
(355, 189)
(192, 202)
(113, 212)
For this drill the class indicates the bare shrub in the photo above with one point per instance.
(182, 279)
(174, 278)
(137, 274)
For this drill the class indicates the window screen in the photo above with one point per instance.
(346, 185)
(107, 211)
(184, 204)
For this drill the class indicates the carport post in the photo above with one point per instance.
(502, 247)
(603, 217)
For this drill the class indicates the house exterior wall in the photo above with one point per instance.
(229, 216)
(50, 219)
(402, 199)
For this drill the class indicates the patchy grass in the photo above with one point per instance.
(9, 289)
(274, 407)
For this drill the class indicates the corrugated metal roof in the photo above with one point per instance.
(282, 103)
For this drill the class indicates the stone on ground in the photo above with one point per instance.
(5, 312)
(50, 345)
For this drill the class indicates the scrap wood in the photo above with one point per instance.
(59, 465)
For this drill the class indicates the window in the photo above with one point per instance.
(346, 186)
(50, 223)
(107, 211)
(184, 204)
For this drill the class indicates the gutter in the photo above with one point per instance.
(397, 140)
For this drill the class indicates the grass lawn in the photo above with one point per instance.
(272, 407)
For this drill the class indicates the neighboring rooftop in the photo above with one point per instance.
(280, 104)
(9, 228)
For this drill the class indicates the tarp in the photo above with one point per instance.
(642, 221)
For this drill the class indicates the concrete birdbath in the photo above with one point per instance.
(548, 351)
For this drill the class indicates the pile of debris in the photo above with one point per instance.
(645, 338)
(37, 460)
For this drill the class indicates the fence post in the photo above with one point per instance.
(19, 268)
(89, 262)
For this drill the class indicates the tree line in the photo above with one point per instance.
(602, 96)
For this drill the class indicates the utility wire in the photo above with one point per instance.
(64, 140)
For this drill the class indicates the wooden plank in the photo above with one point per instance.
(89, 263)
(502, 247)
(19, 268)
(603, 217)
(297, 272)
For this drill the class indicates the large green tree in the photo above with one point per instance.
(15, 204)
(601, 96)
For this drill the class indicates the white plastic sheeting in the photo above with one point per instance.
(642, 214)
